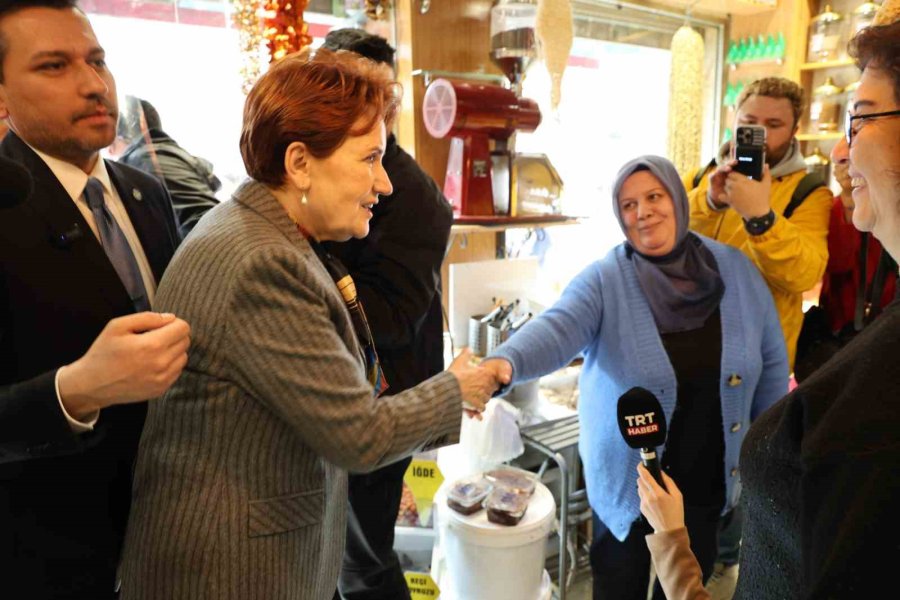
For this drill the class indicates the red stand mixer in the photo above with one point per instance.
(485, 176)
(474, 114)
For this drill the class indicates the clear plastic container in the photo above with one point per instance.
(466, 495)
(506, 506)
(510, 478)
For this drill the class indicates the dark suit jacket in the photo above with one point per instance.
(64, 498)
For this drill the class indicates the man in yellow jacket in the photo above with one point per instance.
(729, 207)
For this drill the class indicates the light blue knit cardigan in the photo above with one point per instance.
(603, 313)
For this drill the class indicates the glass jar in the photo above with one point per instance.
(818, 163)
(513, 45)
(862, 17)
(825, 36)
(825, 108)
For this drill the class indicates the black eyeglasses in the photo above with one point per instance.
(849, 131)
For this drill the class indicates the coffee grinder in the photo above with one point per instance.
(483, 170)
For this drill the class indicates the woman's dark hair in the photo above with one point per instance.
(879, 47)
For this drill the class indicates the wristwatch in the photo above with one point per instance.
(760, 225)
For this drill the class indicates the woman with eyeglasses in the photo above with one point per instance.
(822, 467)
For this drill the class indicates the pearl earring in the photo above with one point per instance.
(303, 199)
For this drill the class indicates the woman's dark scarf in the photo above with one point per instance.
(683, 288)
(347, 288)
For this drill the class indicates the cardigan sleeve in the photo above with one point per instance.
(550, 341)
(774, 379)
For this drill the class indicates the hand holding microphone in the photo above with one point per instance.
(643, 425)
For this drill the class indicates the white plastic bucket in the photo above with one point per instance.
(486, 561)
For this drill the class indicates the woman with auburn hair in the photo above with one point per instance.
(822, 466)
(240, 488)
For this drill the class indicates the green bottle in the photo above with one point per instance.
(752, 52)
(732, 53)
(779, 46)
(741, 54)
(771, 48)
(726, 135)
(761, 47)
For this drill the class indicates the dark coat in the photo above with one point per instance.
(821, 475)
(64, 498)
(188, 178)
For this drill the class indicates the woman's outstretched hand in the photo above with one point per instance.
(664, 509)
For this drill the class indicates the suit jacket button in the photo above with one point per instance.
(137, 194)
(734, 472)
(735, 428)
(734, 380)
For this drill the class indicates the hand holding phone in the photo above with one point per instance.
(749, 151)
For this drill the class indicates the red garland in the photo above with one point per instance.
(283, 27)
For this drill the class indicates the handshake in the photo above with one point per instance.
(477, 383)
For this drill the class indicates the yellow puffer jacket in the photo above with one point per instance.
(791, 255)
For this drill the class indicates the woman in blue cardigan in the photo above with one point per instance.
(685, 317)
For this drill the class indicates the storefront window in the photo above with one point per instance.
(182, 57)
(614, 107)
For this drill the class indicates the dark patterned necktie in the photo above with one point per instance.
(112, 238)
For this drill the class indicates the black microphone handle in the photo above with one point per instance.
(651, 463)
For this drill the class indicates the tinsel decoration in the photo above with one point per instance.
(277, 22)
(283, 27)
(685, 99)
(250, 37)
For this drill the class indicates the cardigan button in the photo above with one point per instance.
(735, 380)
(735, 428)
(734, 472)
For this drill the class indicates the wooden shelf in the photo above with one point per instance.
(756, 64)
(520, 223)
(829, 64)
(819, 137)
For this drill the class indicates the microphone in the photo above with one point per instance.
(643, 425)
(15, 183)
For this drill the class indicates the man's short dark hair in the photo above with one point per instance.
(129, 126)
(879, 47)
(151, 116)
(8, 7)
(363, 43)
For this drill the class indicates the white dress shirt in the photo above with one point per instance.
(73, 181)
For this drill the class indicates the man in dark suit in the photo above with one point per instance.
(79, 261)
(397, 271)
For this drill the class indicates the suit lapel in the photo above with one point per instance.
(51, 204)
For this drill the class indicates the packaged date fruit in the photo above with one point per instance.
(466, 495)
(518, 480)
(506, 506)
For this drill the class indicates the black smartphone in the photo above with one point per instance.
(750, 150)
